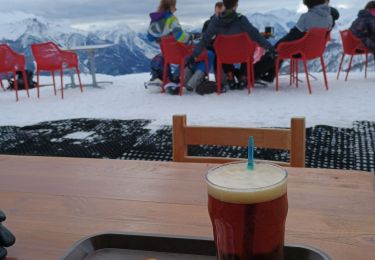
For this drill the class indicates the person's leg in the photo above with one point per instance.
(242, 76)
(156, 70)
(265, 69)
(200, 71)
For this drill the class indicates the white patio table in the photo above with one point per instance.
(90, 50)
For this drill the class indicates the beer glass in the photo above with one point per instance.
(248, 209)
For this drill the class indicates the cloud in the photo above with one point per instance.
(135, 13)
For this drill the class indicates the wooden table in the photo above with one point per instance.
(53, 202)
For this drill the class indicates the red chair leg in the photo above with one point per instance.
(277, 74)
(307, 75)
(1, 83)
(182, 76)
(296, 65)
(15, 84)
(79, 80)
(349, 68)
(207, 68)
(252, 75)
(249, 77)
(54, 83)
(25, 80)
(324, 72)
(291, 72)
(366, 65)
(62, 83)
(218, 77)
(340, 67)
(37, 83)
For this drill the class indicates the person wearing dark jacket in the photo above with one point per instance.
(334, 13)
(228, 23)
(317, 16)
(364, 26)
(219, 8)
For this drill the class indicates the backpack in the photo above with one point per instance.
(20, 80)
(206, 87)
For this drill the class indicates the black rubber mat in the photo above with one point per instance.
(326, 146)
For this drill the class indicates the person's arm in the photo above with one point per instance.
(205, 26)
(207, 37)
(292, 35)
(358, 28)
(254, 34)
(301, 24)
(177, 32)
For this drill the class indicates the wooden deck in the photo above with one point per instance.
(53, 202)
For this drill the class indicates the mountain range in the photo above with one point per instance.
(131, 51)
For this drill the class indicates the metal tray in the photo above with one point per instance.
(127, 246)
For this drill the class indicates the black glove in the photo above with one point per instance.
(272, 54)
(189, 61)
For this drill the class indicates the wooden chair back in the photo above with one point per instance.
(292, 139)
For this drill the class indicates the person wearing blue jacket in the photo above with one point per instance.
(163, 23)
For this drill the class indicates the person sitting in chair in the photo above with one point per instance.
(228, 23)
(364, 26)
(317, 16)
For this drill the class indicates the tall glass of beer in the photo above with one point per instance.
(248, 209)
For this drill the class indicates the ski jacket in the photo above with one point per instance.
(364, 28)
(228, 23)
(163, 24)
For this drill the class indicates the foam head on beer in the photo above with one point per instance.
(235, 183)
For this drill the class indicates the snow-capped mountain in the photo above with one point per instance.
(132, 52)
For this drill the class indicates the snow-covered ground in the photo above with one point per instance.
(127, 98)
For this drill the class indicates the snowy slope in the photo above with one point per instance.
(342, 104)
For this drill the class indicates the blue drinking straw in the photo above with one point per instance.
(250, 157)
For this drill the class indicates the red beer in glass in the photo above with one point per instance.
(248, 209)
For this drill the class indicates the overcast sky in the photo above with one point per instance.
(82, 13)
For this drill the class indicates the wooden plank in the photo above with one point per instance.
(178, 138)
(52, 202)
(221, 160)
(298, 142)
(232, 136)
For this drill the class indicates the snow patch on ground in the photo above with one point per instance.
(79, 135)
(127, 98)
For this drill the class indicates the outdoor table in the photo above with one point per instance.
(52, 202)
(91, 50)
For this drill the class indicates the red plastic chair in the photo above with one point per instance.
(311, 46)
(176, 53)
(236, 48)
(1, 83)
(49, 57)
(11, 62)
(352, 46)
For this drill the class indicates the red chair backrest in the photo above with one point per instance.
(312, 45)
(46, 55)
(349, 42)
(173, 51)
(315, 42)
(9, 59)
(236, 48)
